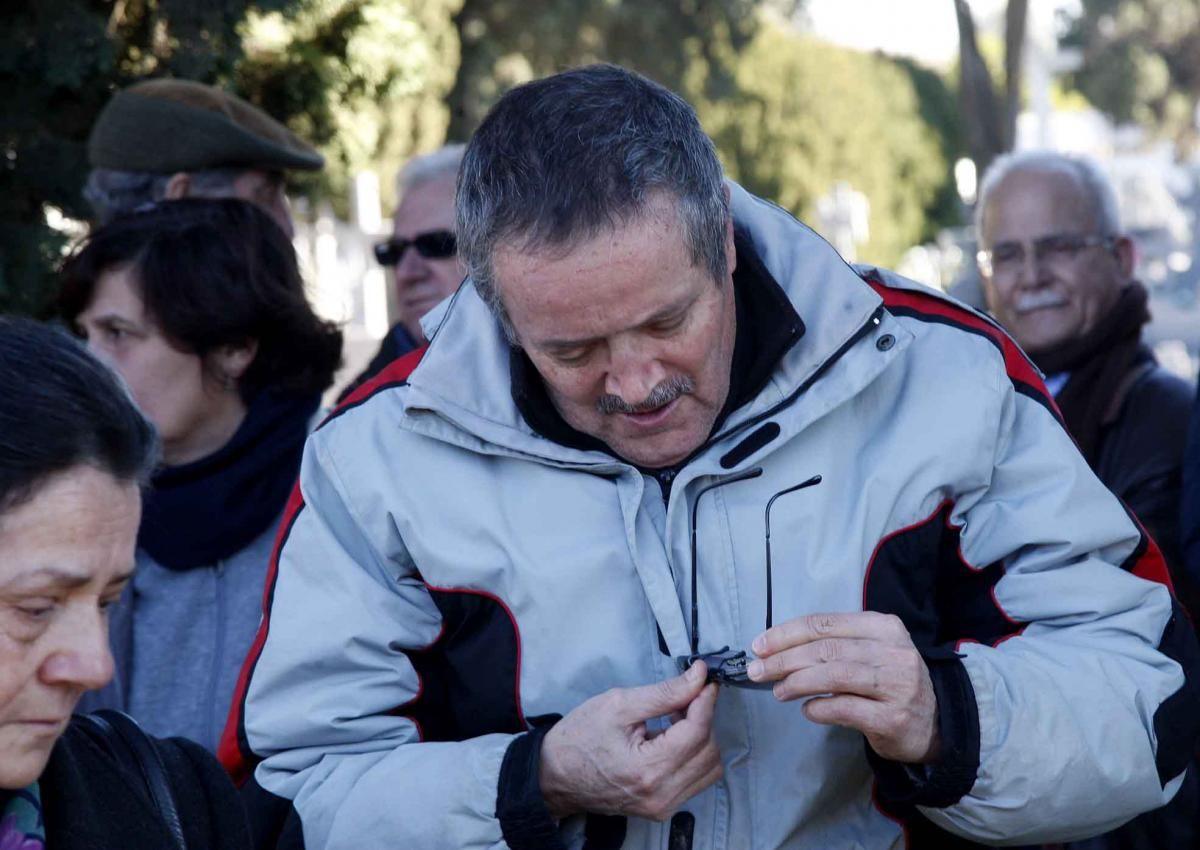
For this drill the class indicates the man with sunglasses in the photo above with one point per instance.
(683, 533)
(421, 253)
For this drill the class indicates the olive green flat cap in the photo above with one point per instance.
(165, 126)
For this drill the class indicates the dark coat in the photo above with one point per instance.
(1141, 461)
(397, 343)
(92, 800)
(1189, 520)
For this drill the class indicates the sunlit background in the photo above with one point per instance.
(869, 119)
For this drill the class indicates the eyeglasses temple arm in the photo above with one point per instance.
(816, 479)
(721, 482)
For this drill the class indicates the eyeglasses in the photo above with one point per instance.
(432, 245)
(725, 666)
(1058, 249)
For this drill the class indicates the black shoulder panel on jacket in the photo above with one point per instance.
(470, 676)
(918, 574)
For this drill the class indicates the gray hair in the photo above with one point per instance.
(425, 168)
(112, 193)
(562, 159)
(1085, 172)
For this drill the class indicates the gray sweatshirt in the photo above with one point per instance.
(179, 639)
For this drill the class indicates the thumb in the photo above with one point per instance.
(665, 697)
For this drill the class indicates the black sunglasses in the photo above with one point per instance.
(726, 666)
(432, 245)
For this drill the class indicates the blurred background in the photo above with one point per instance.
(868, 119)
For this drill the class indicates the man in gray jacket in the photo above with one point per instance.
(683, 533)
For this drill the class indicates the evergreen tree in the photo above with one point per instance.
(1141, 63)
(362, 79)
(808, 114)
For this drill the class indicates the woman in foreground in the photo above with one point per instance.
(74, 452)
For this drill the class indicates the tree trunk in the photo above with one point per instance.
(1015, 15)
(986, 136)
(463, 98)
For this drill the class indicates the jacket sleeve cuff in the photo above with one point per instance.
(525, 821)
(947, 780)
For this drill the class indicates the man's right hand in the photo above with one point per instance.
(601, 758)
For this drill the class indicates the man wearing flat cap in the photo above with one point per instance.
(168, 139)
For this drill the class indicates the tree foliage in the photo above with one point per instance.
(1141, 62)
(363, 79)
(507, 42)
(787, 124)
(371, 82)
(808, 114)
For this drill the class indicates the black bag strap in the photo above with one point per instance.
(130, 744)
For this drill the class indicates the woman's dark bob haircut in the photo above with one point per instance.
(214, 272)
(61, 408)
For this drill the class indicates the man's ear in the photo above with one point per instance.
(179, 186)
(1125, 253)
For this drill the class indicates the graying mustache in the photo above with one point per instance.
(662, 394)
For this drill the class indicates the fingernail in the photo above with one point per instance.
(693, 672)
(756, 670)
(760, 645)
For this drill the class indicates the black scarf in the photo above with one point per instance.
(202, 512)
(1098, 362)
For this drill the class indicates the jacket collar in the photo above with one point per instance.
(767, 327)
(465, 378)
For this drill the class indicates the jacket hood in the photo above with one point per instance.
(464, 378)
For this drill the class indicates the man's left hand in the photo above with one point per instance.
(859, 670)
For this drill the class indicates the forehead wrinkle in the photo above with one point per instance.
(657, 315)
(648, 250)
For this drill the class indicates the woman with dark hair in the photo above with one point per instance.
(200, 306)
(74, 451)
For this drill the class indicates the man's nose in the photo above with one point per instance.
(81, 659)
(1032, 268)
(633, 370)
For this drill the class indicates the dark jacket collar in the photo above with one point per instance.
(767, 328)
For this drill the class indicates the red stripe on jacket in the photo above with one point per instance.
(1016, 363)
(236, 760)
(393, 373)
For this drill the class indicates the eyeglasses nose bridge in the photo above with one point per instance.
(1032, 259)
(405, 248)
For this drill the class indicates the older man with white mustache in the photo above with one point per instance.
(1058, 274)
